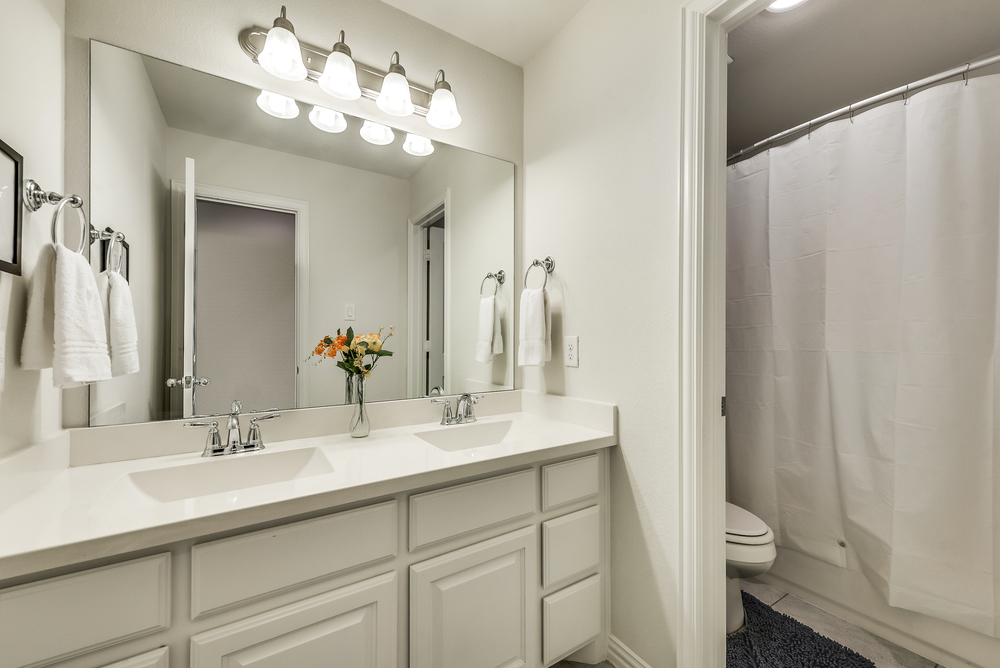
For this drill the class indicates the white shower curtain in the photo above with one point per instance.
(863, 391)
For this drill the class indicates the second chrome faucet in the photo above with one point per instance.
(464, 412)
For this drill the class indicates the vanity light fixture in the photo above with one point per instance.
(783, 5)
(376, 133)
(282, 55)
(340, 76)
(327, 120)
(277, 105)
(395, 95)
(417, 145)
(443, 113)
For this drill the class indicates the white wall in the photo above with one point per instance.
(129, 194)
(357, 241)
(31, 122)
(204, 36)
(601, 154)
(478, 233)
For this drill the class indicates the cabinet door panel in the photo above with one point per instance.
(350, 627)
(158, 658)
(468, 608)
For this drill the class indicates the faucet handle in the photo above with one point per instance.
(213, 444)
(448, 417)
(236, 408)
(254, 440)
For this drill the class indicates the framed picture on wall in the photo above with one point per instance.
(11, 178)
(120, 259)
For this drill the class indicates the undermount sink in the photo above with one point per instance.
(467, 436)
(228, 473)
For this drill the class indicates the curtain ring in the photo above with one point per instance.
(850, 110)
(77, 204)
(906, 91)
(965, 74)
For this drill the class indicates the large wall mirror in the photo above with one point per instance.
(291, 234)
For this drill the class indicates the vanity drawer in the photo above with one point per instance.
(158, 658)
(454, 511)
(571, 545)
(236, 570)
(570, 481)
(44, 622)
(571, 618)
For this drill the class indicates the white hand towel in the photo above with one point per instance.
(122, 333)
(490, 341)
(39, 338)
(535, 345)
(81, 340)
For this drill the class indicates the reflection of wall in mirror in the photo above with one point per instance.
(129, 194)
(480, 233)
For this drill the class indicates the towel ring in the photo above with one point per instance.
(77, 204)
(119, 237)
(548, 264)
(498, 280)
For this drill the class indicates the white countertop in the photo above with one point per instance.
(93, 512)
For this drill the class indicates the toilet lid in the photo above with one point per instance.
(744, 527)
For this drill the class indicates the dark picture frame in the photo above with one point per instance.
(11, 209)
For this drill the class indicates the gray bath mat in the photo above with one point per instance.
(773, 640)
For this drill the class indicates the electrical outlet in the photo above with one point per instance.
(571, 351)
(348, 311)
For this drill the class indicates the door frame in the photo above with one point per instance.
(702, 267)
(298, 208)
(416, 288)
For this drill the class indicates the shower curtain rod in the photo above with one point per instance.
(865, 104)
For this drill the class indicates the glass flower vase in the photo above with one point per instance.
(359, 419)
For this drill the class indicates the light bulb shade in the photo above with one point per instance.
(443, 113)
(417, 145)
(340, 77)
(282, 56)
(783, 5)
(327, 120)
(376, 133)
(394, 97)
(277, 105)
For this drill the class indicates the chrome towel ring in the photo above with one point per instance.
(498, 280)
(76, 203)
(548, 264)
(119, 237)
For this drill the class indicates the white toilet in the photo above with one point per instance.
(749, 552)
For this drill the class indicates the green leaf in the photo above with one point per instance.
(384, 353)
(327, 340)
(350, 335)
(338, 332)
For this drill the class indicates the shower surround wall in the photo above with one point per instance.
(862, 331)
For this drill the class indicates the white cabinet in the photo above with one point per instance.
(471, 608)
(350, 627)
(158, 658)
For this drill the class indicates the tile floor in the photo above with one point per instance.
(881, 652)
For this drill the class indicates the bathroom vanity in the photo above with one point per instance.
(408, 548)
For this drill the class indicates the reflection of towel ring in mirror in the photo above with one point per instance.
(548, 264)
(77, 204)
(498, 280)
(119, 237)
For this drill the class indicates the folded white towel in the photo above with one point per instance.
(122, 333)
(535, 345)
(81, 340)
(490, 341)
(39, 339)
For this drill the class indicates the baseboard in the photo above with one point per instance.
(621, 656)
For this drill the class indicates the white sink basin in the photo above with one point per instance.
(228, 473)
(467, 436)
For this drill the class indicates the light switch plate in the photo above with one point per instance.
(348, 311)
(571, 351)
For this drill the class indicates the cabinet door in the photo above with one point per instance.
(351, 627)
(469, 608)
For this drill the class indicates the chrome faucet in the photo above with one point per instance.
(234, 439)
(447, 418)
(463, 409)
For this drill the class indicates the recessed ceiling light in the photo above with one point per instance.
(784, 5)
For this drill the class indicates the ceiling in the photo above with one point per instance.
(514, 30)
(217, 107)
(826, 54)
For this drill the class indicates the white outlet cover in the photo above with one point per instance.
(571, 351)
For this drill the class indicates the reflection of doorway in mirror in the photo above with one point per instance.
(434, 314)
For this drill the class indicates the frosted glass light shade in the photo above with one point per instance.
(282, 56)
(376, 133)
(340, 77)
(277, 105)
(417, 145)
(783, 5)
(327, 120)
(443, 113)
(394, 98)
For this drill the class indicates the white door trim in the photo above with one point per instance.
(702, 611)
(300, 208)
